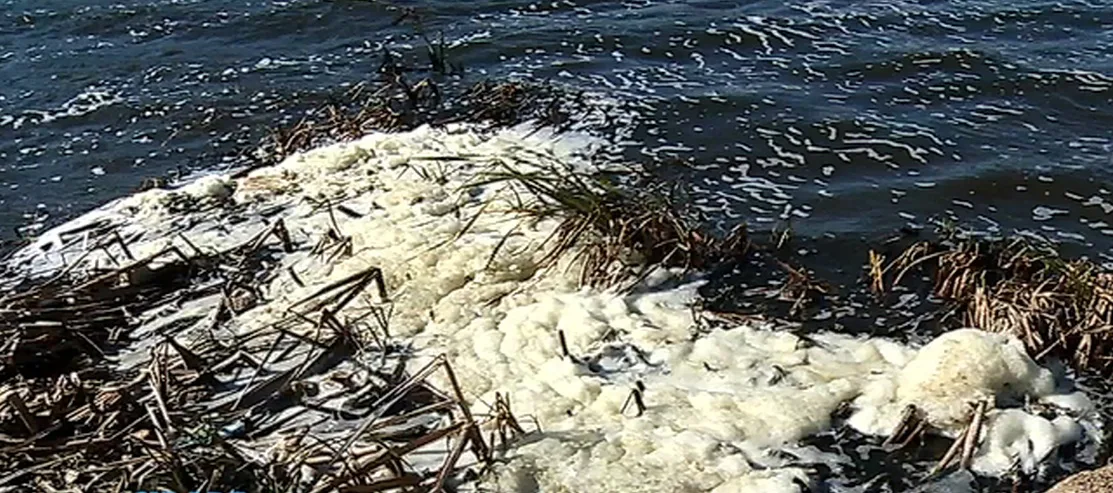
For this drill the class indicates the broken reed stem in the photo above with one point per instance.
(160, 401)
(123, 244)
(258, 369)
(294, 276)
(907, 416)
(24, 414)
(479, 448)
(1020, 286)
(965, 444)
(971, 441)
(916, 432)
(952, 452)
(877, 272)
(636, 398)
(506, 425)
(913, 263)
(450, 462)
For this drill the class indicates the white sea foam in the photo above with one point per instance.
(725, 409)
(87, 101)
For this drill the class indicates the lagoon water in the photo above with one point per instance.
(844, 120)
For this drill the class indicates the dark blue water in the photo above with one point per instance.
(838, 119)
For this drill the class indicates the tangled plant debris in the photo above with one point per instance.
(1018, 285)
(178, 414)
(145, 373)
(125, 377)
(401, 105)
(617, 232)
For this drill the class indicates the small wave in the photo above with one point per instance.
(84, 103)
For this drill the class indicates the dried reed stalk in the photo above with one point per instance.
(1023, 287)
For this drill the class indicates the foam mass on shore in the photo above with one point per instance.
(725, 404)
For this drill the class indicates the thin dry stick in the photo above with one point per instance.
(635, 397)
(258, 369)
(951, 452)
(906, 418)
(478, 447)
(25, 415)
(916, 262)
(971, 442)
(402, 418)
(563, 345)
(380, 407)
(916, 432)
(394, 452)
(123, 245)
(154, 421)
(151, 379)
(450, 461)
(877, 274)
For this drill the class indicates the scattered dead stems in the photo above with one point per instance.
(198, 411)
(966, 443)
(615, 233)
(1020, 286)
(400, 105)
(802, 288)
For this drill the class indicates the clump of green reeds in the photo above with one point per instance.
(1020, 285)
(615, 230)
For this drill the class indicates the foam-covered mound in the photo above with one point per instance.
(949, 375)
(965, 366)
(725, 408)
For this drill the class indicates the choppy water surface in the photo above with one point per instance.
(840, 118)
